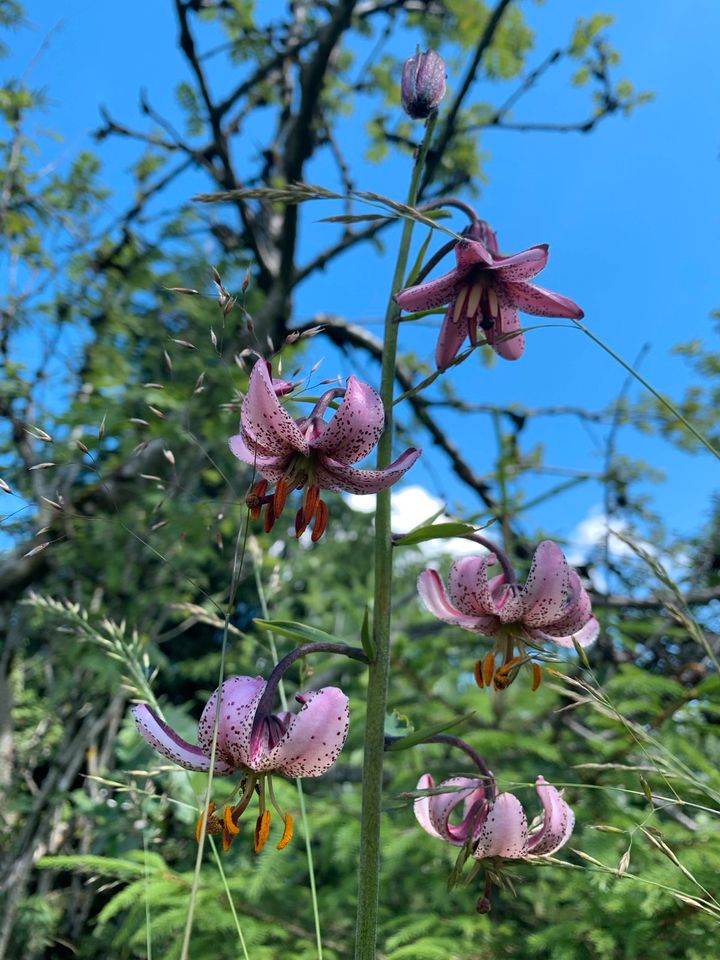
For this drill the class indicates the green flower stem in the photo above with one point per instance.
(369, 864)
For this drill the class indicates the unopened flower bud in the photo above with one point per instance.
(423, 84)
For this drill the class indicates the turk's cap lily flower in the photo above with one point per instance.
(552, 605)
(484, 293)
(493, 827)
(301, 744)
(423, 84)
(309, 453)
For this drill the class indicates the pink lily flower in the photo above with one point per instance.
(302, 744)
(552, 606)
(309, 453)
(484, 292)
(495, 826)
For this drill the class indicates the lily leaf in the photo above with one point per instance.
(419, 736)
(354, 218)
(436, 531)
(297, 631)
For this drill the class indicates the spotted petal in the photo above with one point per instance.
(333, 475)
(453, 332)
(272, 468)
(543, 599)
(472, 591)
(240, 696)
(521, 266)
(356, 427)
(565, 637)
(265, 421)
(558, 822)
(506, 341)
(504, 831)
(163, 739)
(434, 293)
(313, 739)
(541, 302)
(471, 255)
(433, 595)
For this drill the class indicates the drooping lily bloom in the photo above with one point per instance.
(552, 606)
(302, 744)
(495, 826)
(309, 453)
(484, 293)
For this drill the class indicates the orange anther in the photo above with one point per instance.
(478, 672)
(312, 495)
(199, 828)
(321, 520)
(230, 824)
(282, 491)
(269, 520)
(537, 676)
(287, 832)
(300, 523)
(262, 830)
(489, 669)
(255, 498)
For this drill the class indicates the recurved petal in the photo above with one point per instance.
(521, 266)
(463, 790)
(333, 475)
(558, 822)
(577, 612)
(433, 595)
(468, 586)
(272, 468)
(543, 599)
(470, 254)
(313, 739)
(240, 696)
(356, 427)
(426, 296)
(556, 633)
(541, 302)
(163, 739)
(506, 341)
(265, 421)
(473, 592)
(421, 806)
(453, 331)
(504, 831)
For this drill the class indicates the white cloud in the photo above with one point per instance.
(591, 532)
(411, 506)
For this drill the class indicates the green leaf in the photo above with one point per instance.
(297, 631)
(417, 266)
(419, 736)
(436, 531)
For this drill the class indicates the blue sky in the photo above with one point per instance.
(630, 213)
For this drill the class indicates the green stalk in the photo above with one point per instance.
(369, 863)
